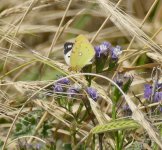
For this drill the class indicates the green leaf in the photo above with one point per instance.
(122, 124)
(67, 146)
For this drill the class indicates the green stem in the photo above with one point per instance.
(116, 133)
(114, 111)
(121, 137)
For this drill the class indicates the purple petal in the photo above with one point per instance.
(57, 88)
(158, 96)
(126, 107)
(72, 91)
(92, 93)
(103, 48)
(147, 91)
(116, 52)
(64, 81)
(98, 51)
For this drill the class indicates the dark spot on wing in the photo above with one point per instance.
(68, 47)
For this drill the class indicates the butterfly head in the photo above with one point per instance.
(67, 51)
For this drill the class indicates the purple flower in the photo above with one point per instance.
(64, 81)
(147, 91)
(57, 88)
(102, 49)
(115, 52)
(127, 111)
(122, 79)
(160, 108)
(119, 82)
(92, 93)
(158, 96)
(72, 91)
(126, 107)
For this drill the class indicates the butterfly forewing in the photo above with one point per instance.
(82, 53)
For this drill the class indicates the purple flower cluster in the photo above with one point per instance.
(121, 79)
(115, 52)
(57, 88)
(58, 85)
(158, 96)
(105, 48)
(92, 93)
(148, 92)
(72, 91)
(64, 81)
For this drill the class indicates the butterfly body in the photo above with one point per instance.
(81, 53)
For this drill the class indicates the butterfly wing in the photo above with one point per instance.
(82, 53)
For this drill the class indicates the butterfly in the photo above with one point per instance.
(78, 54)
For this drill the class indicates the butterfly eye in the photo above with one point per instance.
(69, 46)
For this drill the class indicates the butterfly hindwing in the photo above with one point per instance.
(82, 53)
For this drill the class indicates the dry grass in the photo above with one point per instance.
(31, 53)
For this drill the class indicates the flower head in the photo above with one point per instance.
(158, 96)
(122, 79)
(127, 110)
(147, 91)
(119, 79)
(102, 49)
(115, 52)
(72, 91)
(92, 93)
(119, 82)
(64, 81)
(126, 107)
(57, 88)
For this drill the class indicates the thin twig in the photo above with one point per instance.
(27, 11)
(104, 23)
(143, 21)
(55, 38)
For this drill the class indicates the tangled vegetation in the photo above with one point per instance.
(113, 102)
